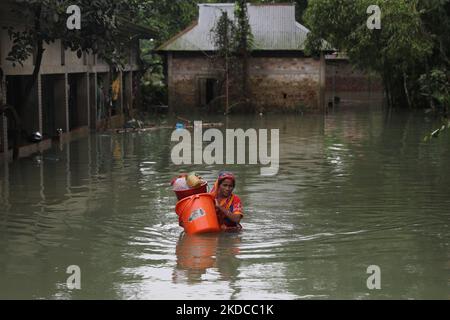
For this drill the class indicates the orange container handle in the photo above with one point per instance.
(188, 201)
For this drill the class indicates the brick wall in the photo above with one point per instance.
(184, 74)
(343, 77)
(276, 83)
(285, 83)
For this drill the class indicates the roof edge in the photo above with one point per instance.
(175, 37)
(138, 29)
(226, 4)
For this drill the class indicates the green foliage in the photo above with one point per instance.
(243, 37)
(436, 85)
(100, 31)
(343, 24)
(223, 34)
(412, 40)
(169, 17)
(233, 37)
(22, 46)
(154, 90)
(234, 41)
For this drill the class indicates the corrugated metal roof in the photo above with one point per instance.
(273, 27)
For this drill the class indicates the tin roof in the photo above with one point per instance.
(273, 27)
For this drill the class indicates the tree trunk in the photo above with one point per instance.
(227, 91)
(430, 96)
(39, 54)
(30, 85)
(387, 89)
(245, 78)
(405, 87)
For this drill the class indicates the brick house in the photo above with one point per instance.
(281, 76)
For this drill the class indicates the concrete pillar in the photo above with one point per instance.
(60, 103)
(5, 194)
(68, 171)
(88, 95)
(4, 133)
(127, 91)
(93, 100)
(169, 80)
(322, 83)
(3, 121)
(39, 93)
(82, 100)
(121, 92)
(131, 95)
(42, 186)
(89, 151)
(66, 102)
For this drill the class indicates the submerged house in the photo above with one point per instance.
(65, 102)
(281, 76)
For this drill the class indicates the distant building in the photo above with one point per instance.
(348, 85)
(67, 95)
(281, 76)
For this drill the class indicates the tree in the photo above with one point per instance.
(223, 33)
(169, 17)
(243, 43)
(45, 22)
(233, 41)
(413, 40)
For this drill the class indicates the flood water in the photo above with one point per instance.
(355, 188)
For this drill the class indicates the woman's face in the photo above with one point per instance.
(226, 187)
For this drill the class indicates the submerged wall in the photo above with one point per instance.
(276, 83)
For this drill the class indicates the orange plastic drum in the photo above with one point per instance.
(198, 214)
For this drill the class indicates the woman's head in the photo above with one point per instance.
(226, 183)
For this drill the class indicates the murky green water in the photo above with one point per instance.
(355, 189)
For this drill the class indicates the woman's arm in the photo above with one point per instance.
(236, 218)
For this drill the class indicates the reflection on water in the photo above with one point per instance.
(203, 257)
(355, 188)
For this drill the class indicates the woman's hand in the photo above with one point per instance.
(219, 209)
